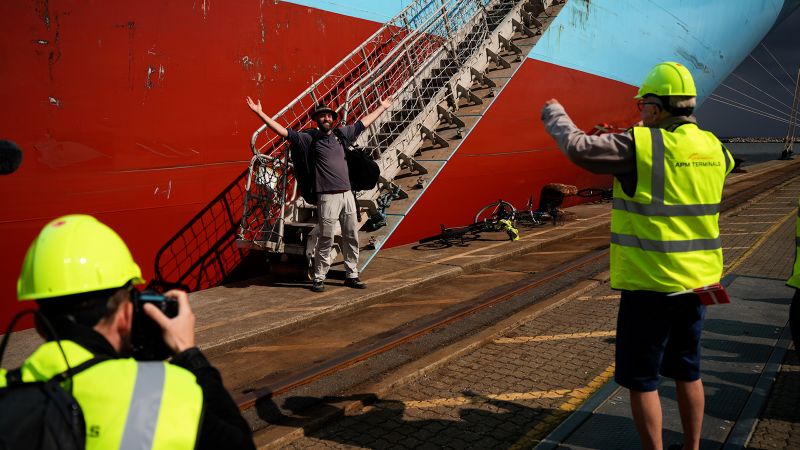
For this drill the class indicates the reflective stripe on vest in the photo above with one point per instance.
(794, 280)
(145, 405)
(658, 180)
(665, 237)
(126, 404)
(690, 245)
(665, 210)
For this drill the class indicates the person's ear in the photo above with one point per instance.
(661, 111)
(123, 320)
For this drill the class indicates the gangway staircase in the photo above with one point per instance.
(443, 60)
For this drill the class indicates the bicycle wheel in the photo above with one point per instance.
(495, 211)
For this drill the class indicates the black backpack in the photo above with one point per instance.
(41, 414)
(363, 170)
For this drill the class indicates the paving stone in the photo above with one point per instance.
(779, 426)
(410, 442)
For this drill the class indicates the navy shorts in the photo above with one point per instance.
(656, 335)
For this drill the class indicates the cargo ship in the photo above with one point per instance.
(134, 112)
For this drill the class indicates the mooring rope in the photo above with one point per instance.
(791, 118)
(762, 91)
(791, 79)
(770, 74)
(757, 100)
(742, 106)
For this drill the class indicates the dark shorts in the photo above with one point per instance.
(656, 335)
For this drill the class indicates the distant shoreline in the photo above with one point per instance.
(756, 140)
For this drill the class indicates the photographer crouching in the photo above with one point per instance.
(111, 339)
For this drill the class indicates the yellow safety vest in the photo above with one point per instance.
(666, 237)
(794, 281)
(126, 403)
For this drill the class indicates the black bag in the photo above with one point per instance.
(363, 170)
(42, 414)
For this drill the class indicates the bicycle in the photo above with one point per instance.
(461, 234)
(552, 196)
(502, 209)
(539, 216)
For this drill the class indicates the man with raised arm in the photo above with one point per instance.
(668, 179)
(334, 198)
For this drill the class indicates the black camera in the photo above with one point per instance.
(146, 336)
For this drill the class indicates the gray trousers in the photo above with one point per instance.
(330, 209)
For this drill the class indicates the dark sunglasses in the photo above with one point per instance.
(640, 104)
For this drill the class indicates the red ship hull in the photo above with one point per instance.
(137, 115)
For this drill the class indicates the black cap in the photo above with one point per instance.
(322, 108)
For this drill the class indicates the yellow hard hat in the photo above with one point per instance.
(666, 79)
(75, 254)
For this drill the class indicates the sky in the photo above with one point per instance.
(783, 42)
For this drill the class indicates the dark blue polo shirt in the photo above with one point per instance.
(331, 168)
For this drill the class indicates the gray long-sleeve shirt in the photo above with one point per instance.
(612, 153)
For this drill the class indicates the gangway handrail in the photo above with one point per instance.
(392, 56)
(398, 48)
(402, 47)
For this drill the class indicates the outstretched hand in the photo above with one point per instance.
(384, 105)
(255, 106)
(387, 102)
(178, 331)
(552, 101)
